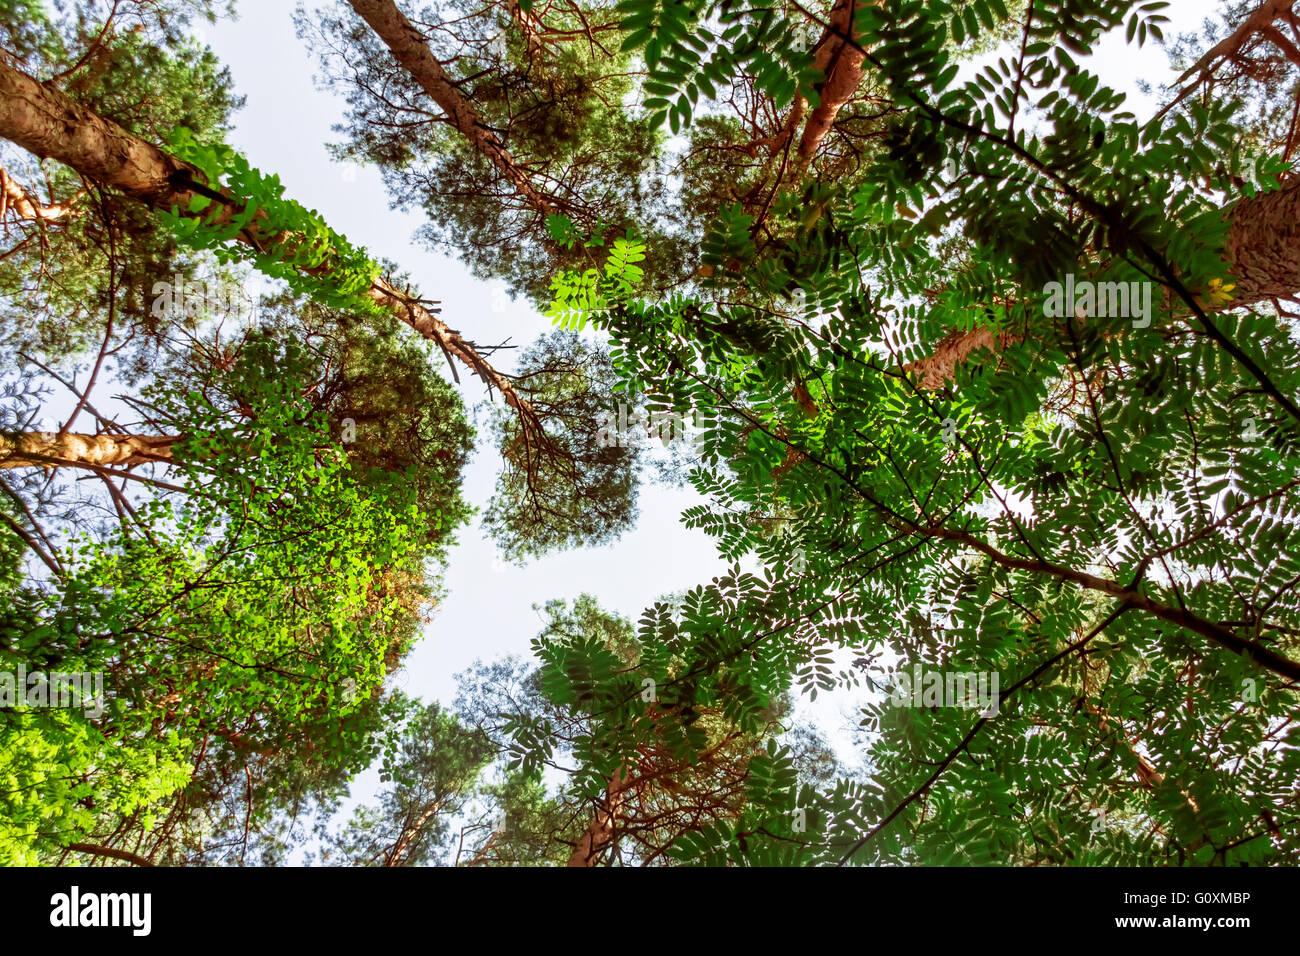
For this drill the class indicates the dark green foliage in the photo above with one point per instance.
(60, 280)
(913, 458)
(571, 489)
(1081, 515)
(429, 779)
(558, 110)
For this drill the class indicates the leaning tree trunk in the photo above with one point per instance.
(840, 64)
(603, 823)
(14, 198)
(1259, 23)
(410, 48)
(51, 125)
(840, 61)
(1263, 246)
(71, 449)
(528, 25)
(401, 848)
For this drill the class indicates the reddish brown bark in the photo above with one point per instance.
(938, 368)
(14, 198)
(527, 24)
(125, 856)
(50, 124)
(840, 63)
(603, 822)
(481, 855)
(1259, 22)
(401, 848)
(411, 50)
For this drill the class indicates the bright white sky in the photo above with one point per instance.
(283, 128)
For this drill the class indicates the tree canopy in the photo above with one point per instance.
(984, 379)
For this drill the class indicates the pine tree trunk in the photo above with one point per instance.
(411, 50)
(841, 66)
(14, 198)
(71, 449)
(51, 125)
(528, 26)
(1259, 22)
(601, 829)
(397, 854)
(48, 123)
